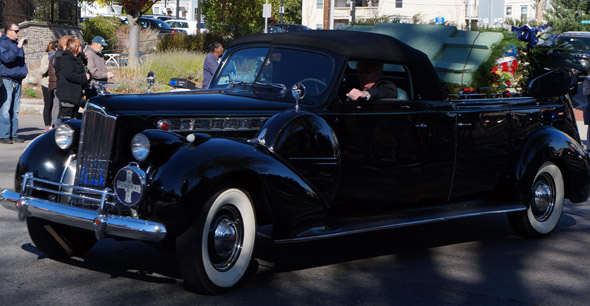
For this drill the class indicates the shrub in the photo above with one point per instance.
(29, 93)
(198, 43)
(101, 26)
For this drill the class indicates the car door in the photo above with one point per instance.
(382, 144)
(483, 149)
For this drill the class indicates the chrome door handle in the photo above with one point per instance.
(421, 125)
(464, 124)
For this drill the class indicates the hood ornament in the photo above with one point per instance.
(298, 92)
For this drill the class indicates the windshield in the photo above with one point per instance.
(277, 67)
(577, 43)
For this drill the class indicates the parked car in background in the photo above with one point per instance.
(161, 17)
(578, 43)
(190, 26)
(158, 25)
(285, 27)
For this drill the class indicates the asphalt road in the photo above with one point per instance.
(478, 261)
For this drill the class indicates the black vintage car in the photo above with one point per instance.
(275, 148)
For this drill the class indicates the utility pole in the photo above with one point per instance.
(177, 8)
(327, 12)
(282, 10)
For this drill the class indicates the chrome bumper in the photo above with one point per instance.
(102, 224)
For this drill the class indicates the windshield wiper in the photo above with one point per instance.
(232, 84)
(281, 87)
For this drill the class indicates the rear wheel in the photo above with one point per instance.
(215, 252)
(545, 205)
(58, 240)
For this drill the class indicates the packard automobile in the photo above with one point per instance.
(275, 148)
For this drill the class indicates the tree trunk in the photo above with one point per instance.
(134, 30)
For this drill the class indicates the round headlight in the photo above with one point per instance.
(140, 147)
(64, 136)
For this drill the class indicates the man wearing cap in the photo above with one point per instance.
(96, 64)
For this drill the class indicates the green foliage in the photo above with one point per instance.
(30, 93)
(566, 15)
(292, 12)
(234, 18)
(199, 42)
(101, 26)
(379, 19)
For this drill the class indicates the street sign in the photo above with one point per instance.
(585, 22)
(266, 11)
(439, 20)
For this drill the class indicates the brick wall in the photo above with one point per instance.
(38, 36)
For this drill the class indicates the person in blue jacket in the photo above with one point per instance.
(13, 70)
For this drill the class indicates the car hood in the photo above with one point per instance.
(183, 103)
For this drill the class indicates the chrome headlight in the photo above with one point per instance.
(64, 136)
(140, 147)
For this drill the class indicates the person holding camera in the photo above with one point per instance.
(13, 70)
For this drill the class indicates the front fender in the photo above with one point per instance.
(182, 185)
(44, 158)
(550, 144)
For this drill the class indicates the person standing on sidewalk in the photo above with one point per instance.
(96, 64)
(47, 93)
(72, 78)
(586, 91)
(13, 70)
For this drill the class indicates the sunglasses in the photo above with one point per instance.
(16, 31)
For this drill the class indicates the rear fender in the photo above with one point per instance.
(550, 144)
(182, 185)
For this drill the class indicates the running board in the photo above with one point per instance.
(348, 226)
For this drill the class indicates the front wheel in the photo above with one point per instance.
(545, 205)
(213, 255)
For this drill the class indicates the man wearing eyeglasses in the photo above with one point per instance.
(372, 84)
(13, 70)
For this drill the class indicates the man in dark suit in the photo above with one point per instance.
(373, 86)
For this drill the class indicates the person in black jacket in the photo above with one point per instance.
(374, 87)
(72, 79)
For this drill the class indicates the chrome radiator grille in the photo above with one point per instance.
(94, 152)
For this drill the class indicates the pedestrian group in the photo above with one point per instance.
(68, 74)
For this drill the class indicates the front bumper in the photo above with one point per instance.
(96, 220)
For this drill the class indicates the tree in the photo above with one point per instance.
(292, 12)
(234, 18)
(134, 9)
(566, 15)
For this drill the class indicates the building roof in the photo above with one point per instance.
(362, 45)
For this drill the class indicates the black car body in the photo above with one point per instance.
(206, 170)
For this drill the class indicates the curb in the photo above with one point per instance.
(30, 106)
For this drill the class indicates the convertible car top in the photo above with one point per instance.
(362, 46)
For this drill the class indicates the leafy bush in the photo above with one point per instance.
(100, 26)
(199, 42)
(29, 93)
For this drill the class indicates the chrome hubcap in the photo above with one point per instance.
(225, 238)
(543, 198)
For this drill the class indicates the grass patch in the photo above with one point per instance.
(29, 93)
(165, 65)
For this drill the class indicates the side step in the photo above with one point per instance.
(354, 225)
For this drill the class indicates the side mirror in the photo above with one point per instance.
(151, 78)
(554, 83)
(298, 92)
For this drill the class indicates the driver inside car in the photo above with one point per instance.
(372, 83)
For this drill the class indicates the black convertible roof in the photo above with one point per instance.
(362, 45)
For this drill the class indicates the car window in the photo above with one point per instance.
(576, 42)
(277, 66)
(395, 73)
